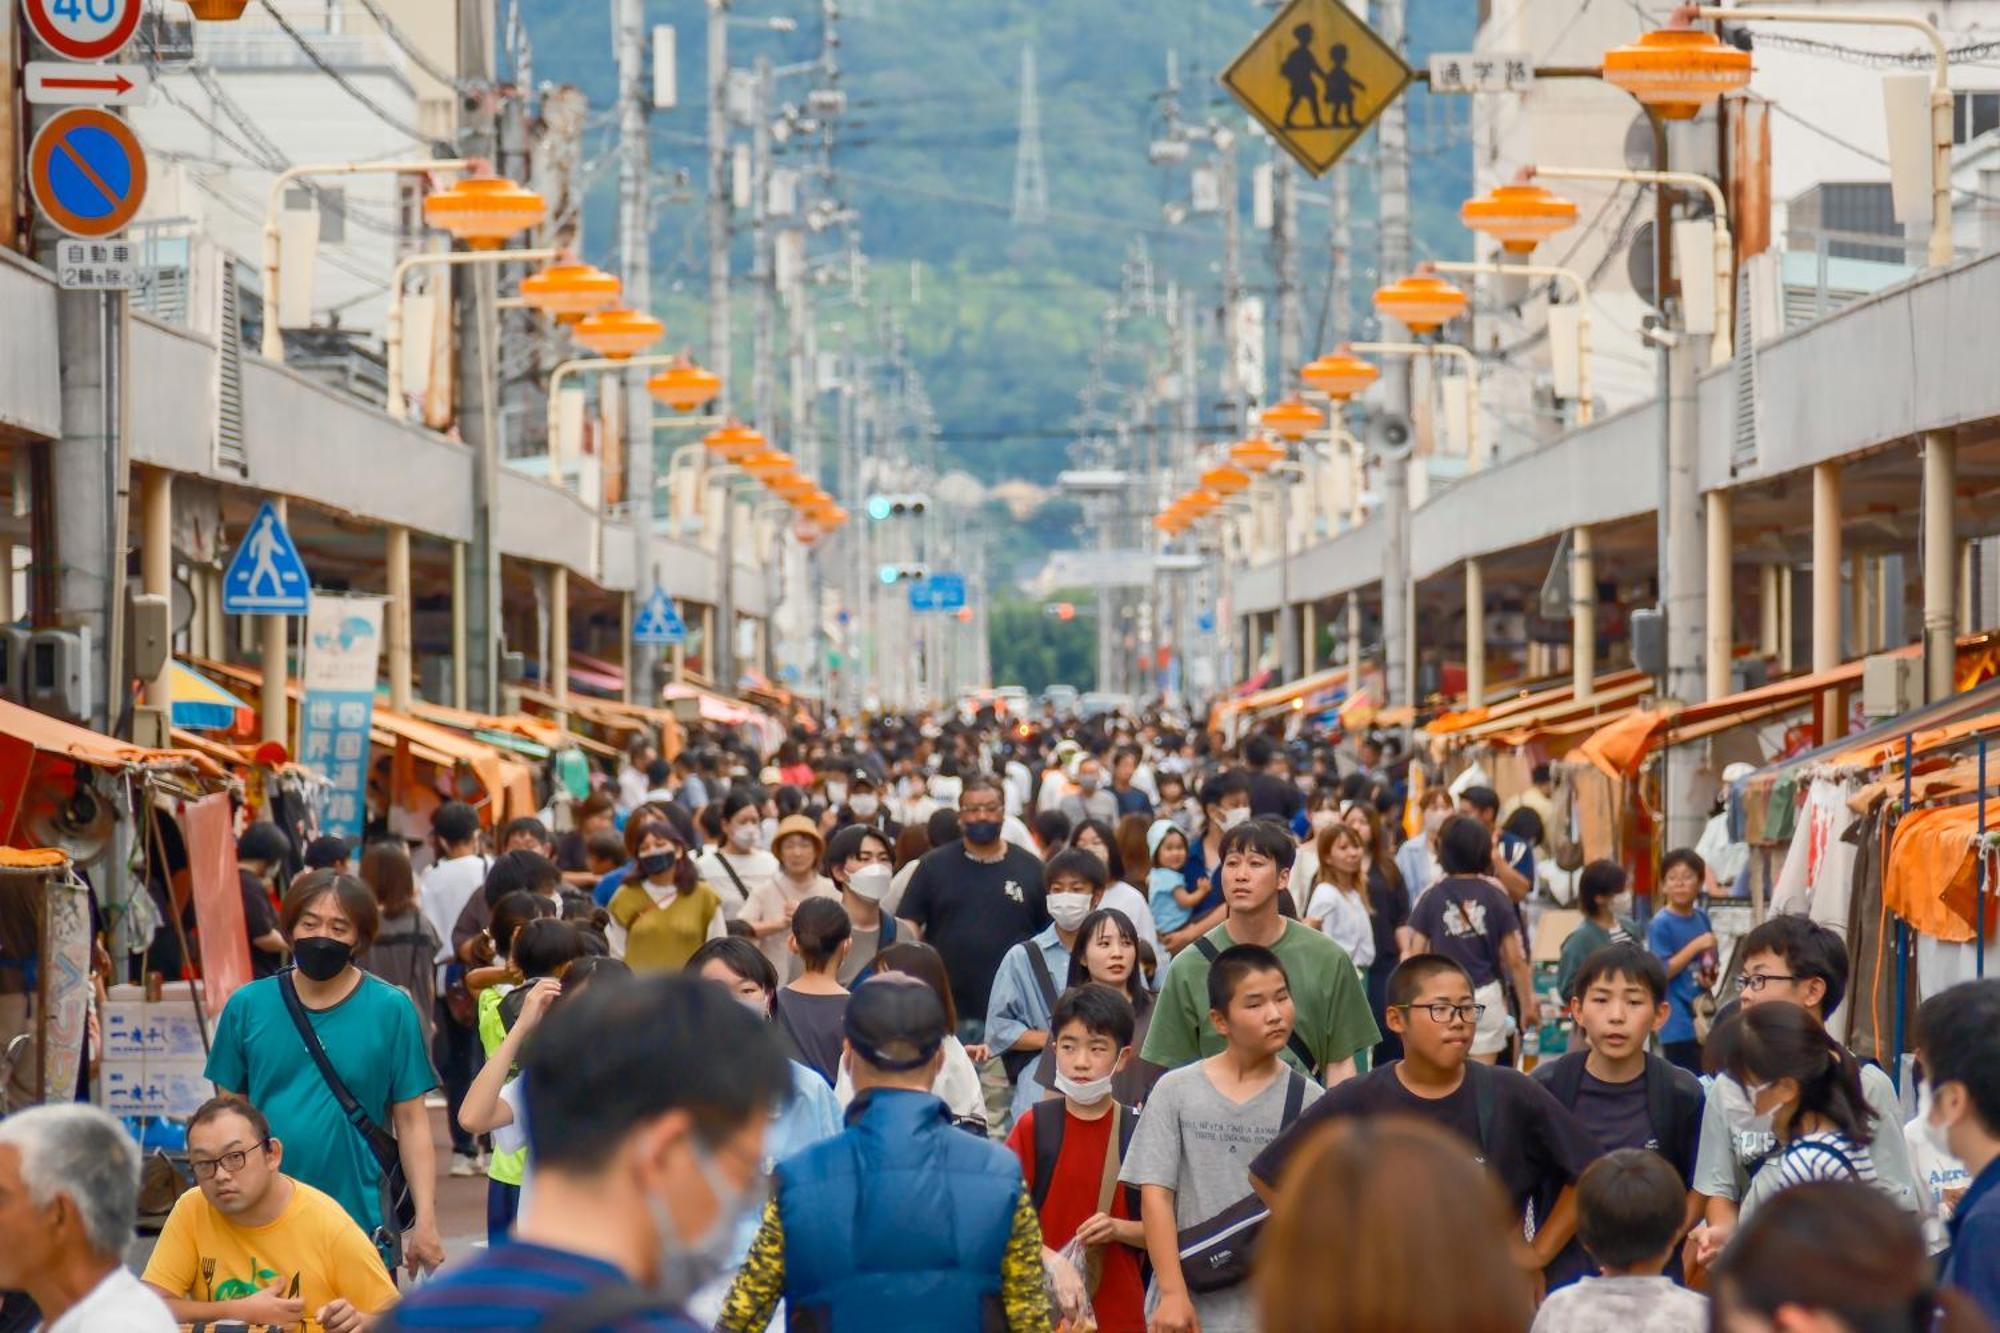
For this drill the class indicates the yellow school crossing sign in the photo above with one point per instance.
(1316, 78)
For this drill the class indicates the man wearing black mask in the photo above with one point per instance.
(975, 899)
(322, 1035)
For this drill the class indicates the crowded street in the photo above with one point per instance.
(917, 666)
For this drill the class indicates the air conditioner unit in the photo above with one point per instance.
(57, 679)
(1890, 685)
(13, 663)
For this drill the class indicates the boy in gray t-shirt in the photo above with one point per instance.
(1190, 1154)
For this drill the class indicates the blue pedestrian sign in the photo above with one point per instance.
(659, 624)
(1205, 622)
(266, 576)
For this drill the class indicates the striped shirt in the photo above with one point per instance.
(521, 1285)
(1828, 1155)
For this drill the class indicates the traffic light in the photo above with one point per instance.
(884, 507)
(1059, 610)
(894, 574)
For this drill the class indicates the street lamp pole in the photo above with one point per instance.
(274, 338)
(392, 337)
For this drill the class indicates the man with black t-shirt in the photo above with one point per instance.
(1271, 797)
(1472, 921)
(1535, 1147)
(975, 899)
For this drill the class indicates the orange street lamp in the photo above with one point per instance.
(217, 11)
(767, 465)
(566, 292)
(743, 445)
(684, 386)
(1225, 480)
(484, 211)
(792, 487)
(1257, 455)
(1292, 418)
(1519, 216)
(1199, 502)
(618, 334)
(1677, 71)
(1340, 374)
(1422, 302)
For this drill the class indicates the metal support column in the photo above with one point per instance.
(1475, 633)
(1583, 615)
(1721, 653)
(1940, 565)
(396, 562)
(1826, 589)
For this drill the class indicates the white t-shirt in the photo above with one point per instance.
(956, 1085)
(119, 1304)
(755, 869)
(1343, 918)
(768, 903)
(446, 889)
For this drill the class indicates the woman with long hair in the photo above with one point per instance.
(407, 944)
(1389, 899)
(1095, 836)
(664, 910)
(1337, 905)
(1323, 811)
(1804, 1088)
(1107, 954)
(1133, 853)
(1433, 1251)
(1836, 1257)
(739, 864)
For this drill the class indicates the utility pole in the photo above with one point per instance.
(721, 653)
(1393, 147)
(1684, 579)
(478, 404)
(1285, 259)
(635, 270)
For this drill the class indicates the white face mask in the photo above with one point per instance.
(743, 836)
(864, 804)
(685, 1268)
(871, 881)
(836, 792)
(1231, 818)
(1322, 820)
(1752, 1120)
(1068, 910)
(1084, 1094)
(1936, 1135)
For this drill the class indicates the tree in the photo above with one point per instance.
(1034, 650)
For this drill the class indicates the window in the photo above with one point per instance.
(1973, 114)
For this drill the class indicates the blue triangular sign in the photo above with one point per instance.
(658, 622)
(266, 576)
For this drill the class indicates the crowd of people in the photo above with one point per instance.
(982, 1024)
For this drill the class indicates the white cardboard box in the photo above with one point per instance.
(134, 1029)
(155, 1087)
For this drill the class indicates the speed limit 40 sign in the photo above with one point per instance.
(84, 29)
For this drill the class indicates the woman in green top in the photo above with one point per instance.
(1597, 890)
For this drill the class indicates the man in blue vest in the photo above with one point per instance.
(900, 1221)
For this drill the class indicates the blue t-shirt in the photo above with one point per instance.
(1973, 1264)
(608, 886)
(519, 1285)
(1666, 936)
(373, 1042)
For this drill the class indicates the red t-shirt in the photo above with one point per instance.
(1120, 1300)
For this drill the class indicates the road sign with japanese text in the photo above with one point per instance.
(1482, 72)
(1316, 78)
(109, 265)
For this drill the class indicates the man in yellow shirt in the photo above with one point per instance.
(250, 1243)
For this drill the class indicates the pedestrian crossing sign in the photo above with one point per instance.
(266, 577)
(1316, 78)
(659, 624)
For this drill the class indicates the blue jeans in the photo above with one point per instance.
(503, 1203)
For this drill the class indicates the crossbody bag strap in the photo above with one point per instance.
(1483, 1098)
(349, 1107)
(1295, 1100)
(1040, 967)
(722, 859)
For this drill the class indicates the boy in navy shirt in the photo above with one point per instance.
(1682, 938)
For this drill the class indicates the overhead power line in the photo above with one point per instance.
(347, 85)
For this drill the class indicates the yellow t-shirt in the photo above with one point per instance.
(204, 1256)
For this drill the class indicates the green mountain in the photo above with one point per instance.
(999, 320)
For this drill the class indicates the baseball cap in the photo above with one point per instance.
(894, 1022)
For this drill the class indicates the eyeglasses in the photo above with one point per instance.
(232, 1162)
(1754, 982)
(1441, 1012)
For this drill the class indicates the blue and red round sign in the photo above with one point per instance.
(87, 172)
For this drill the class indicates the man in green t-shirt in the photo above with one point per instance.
(1334, 1024)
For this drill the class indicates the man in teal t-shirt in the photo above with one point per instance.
(370, 1036)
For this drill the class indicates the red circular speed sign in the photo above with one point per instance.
(84, 29)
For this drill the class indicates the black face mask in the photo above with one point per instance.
(654, 863)
(981, 832)
(322, 958)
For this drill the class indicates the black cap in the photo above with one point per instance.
(895, 1022)
(862, 778)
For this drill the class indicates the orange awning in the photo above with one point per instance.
(54, 736)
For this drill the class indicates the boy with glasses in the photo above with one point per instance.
(1789, 959)
(251, 1244)
(1535, 1146)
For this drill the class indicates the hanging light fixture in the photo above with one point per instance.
(1422, 302)
(1520, 217)
(737, 443)
(684, 386)
(484, 211)
(765, 464)
(1677, 71)
(1256, 455)
(618, 334)
(1340, 374)
(1292, 418)
(568, 292)
(1225, 480)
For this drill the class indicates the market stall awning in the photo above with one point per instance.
(53, 736)
(1530, 701)
(613, 715)
(1516, 726)
(199, 704)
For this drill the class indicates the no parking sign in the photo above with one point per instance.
(87, 172)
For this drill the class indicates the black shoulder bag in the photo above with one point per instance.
(1014, 1061)
(399, 1206)
(1216, 1253)
(1294, 1043)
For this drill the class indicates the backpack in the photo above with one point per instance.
(1294, 1043)
(1051, 1119)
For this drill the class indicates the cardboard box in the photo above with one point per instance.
(136, 1030)
(155, 1087)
